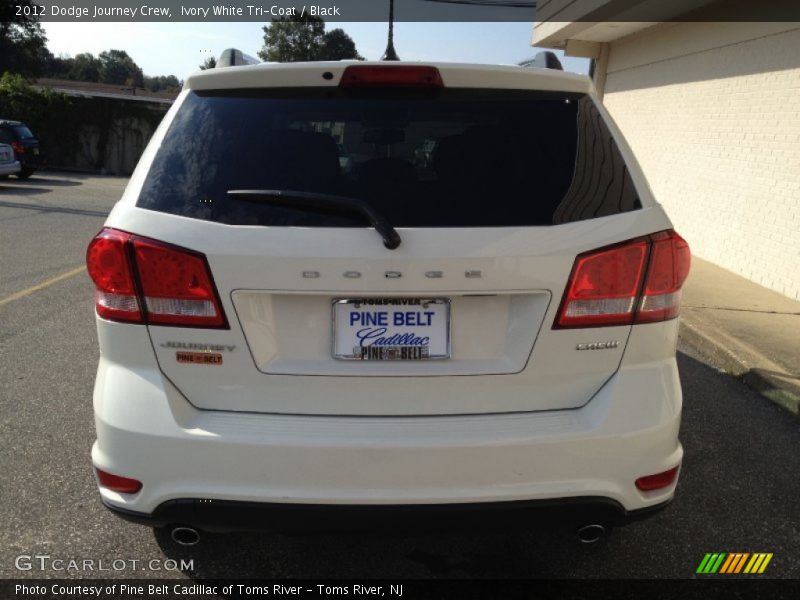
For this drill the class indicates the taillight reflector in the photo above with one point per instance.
(638, 281)
(361, 76)
(18, 147)
(145, 281)
(116, 483)
(658, 481)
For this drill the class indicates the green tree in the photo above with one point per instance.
(58, 66)
(117, 67)
(162, 82)
(85, 67)
(23, 45)
(293, 39)
(337, 45)
(208, 63)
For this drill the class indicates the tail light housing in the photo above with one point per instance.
(18, 147)
(670, 260)
(109, 264)
(638, 281)
(141, 280)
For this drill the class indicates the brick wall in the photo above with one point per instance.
(712, 110)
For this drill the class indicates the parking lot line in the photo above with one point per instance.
(40, 286)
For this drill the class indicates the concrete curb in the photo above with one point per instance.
(742, 361)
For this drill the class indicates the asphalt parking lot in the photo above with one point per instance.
(739, 489)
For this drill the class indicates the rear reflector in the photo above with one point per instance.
(369, 76)
(638, 281)
(116, 483)
(145, 281)
(657, 481)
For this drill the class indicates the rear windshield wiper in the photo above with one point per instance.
(325, 203)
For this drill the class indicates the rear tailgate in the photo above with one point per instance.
(505, 355)
(30, 144)
(494, 193)
(33, 155)
(6, 154)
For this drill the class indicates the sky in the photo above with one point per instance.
(178, 48)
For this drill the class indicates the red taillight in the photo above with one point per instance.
(18, 147)
(176, 285)
(146, 281)
(604, 286)
(638, 281)
(360, 76)
(657, 481)
(109, 266)
(116, 483)
(670, 260)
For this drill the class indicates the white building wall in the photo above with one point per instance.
(713, 112)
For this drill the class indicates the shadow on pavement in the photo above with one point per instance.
(54, 209)
(21, 191)
(52, 180)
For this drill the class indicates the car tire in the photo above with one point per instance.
(25, 173)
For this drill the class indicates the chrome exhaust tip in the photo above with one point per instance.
(589, 534)
(185, 536)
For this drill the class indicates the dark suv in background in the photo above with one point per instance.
(26, 146)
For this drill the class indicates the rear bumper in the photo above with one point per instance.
(226, 516)
(148, 431)
(10, 168)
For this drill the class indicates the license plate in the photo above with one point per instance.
(36, 152)
(383, 329)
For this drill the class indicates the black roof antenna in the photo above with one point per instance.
(389, 53)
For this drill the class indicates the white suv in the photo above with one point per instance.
(478, 314)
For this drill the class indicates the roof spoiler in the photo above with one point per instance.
(544, 60)
(232, 57)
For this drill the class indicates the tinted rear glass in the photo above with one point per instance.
(456, 158)
(23, 132)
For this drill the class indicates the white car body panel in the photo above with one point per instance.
(8, 163)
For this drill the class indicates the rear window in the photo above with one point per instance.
(23, 132)
(454, 158)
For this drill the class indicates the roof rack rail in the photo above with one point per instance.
(233, 57)
(543, 60)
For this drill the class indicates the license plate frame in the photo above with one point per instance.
(441, 350)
